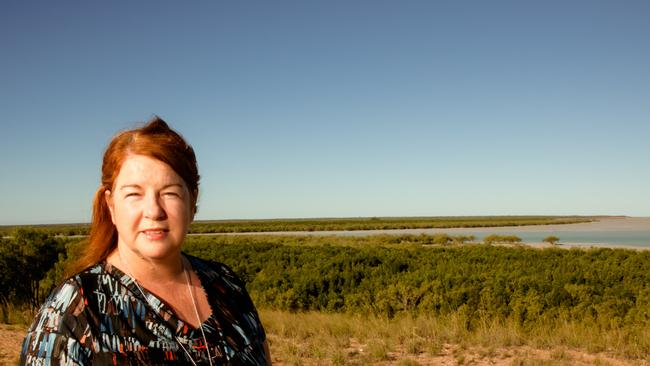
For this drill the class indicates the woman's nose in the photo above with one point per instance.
(153, 210)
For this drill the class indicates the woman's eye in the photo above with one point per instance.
(131, 194)
(170, 194)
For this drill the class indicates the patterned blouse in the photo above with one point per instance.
(100, 317)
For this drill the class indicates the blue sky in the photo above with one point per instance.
(335, 108)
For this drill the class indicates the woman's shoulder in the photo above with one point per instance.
(67, 299)
(216, 271)
(232, 305)
(60, 328)
(223, 286)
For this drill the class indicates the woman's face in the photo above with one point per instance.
(151, 208)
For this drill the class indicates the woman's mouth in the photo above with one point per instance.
(155, 234)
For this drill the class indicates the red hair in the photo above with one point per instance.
(156, 140)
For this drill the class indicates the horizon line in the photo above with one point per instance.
(336, 218)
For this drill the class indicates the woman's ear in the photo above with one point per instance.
(108, 197)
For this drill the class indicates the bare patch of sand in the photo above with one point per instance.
(452, 354)
(11, 337)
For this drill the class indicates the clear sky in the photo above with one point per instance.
(335, 108)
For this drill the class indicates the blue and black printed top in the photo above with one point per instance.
(99, 317)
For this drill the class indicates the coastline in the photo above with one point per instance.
(600, 225)
(583, 246)
(605, 225)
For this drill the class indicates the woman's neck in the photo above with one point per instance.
(148, 270)
(171, 280)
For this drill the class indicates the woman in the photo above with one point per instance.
(135, 298)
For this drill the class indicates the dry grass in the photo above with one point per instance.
(340, 339)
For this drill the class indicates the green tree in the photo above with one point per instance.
(25, 258)
(9, 275)
(553, 240)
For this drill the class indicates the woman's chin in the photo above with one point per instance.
(158, 251)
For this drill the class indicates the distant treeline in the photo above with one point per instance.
(334, 224)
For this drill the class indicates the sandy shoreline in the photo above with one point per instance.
(618, 223)
(604, 225)
(538, 245)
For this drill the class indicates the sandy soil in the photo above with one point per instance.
(11, 337)
(451, 354)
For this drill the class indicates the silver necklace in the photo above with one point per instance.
(196, 310)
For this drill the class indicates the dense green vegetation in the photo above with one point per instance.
(372, 223)
(25, 261)
(605, 286)
(600, 290)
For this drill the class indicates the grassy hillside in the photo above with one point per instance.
(398, 293)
